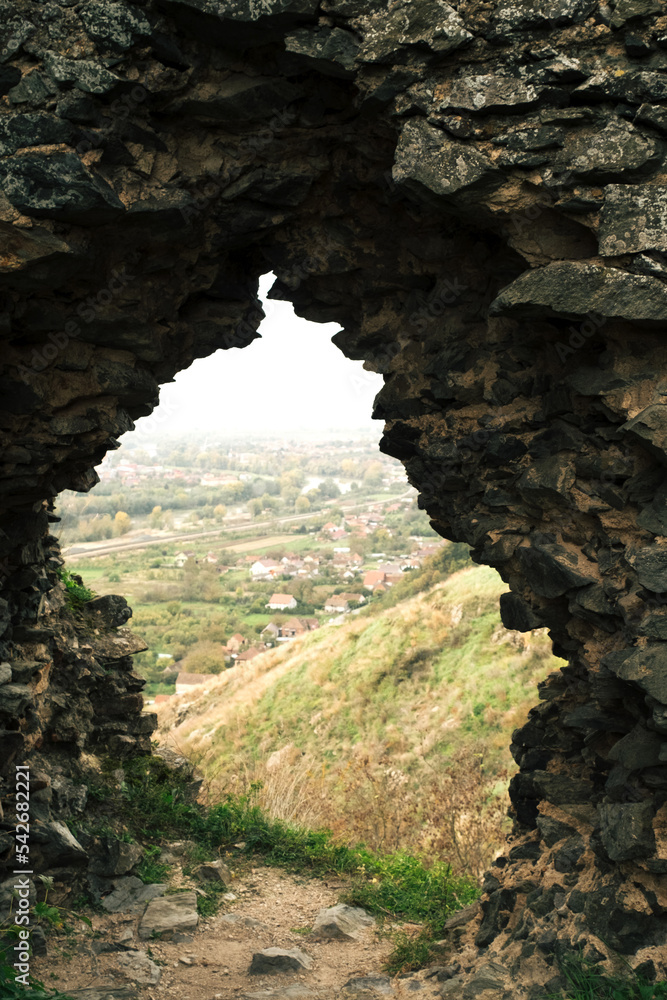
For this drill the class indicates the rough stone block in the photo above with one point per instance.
(626, 830)
(274, 960)
(169, 914)
(341, 922)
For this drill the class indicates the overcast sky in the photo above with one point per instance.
(292, 378)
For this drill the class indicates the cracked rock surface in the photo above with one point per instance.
(475, 192)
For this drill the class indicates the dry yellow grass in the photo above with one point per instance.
(389, 729)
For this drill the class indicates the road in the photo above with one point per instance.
(106, 548)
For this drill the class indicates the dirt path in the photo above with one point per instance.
(272, 909)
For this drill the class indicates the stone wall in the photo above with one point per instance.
(477, 194)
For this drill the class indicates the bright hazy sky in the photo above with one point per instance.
(292, 378)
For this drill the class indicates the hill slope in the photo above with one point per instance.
(391, 729)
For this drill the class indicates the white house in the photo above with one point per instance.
(281, 602)
(265, 569)
(336, 604)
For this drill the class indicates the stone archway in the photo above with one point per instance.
(476, 195)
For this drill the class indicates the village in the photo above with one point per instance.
(373, 576)
(225, 550)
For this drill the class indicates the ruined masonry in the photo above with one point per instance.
(477, 194)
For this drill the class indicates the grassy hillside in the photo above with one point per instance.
(391, 729)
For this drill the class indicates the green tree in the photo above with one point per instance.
(329, 489)
(302, 505)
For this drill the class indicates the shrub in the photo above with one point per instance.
(586, 981)
(76, 593)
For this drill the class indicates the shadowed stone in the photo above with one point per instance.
(58, 185)
(274, 960)
(368, 986)
(574, 289)
(215, 871)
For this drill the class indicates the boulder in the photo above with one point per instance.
(114, 26)
(274, 960)
(130, 895)
(616, 152)
(58, 845)
(58, 185)
(511, 16)
(168, 914)
(19, 131)
(15, 699)
(574, 289)
(292, 992)
(638, 749)
(649, 428)
(249, 11)
(215, 871)
(341, 922)
(646, 668)
(550, 569)
(553, 830)
(433, 165)
(626, 830)
(104, 993)
(115, 857)
(237, 921)
(85, 74)
(109, 611)
(408, 26)
(650, 565)
(138, 967)
(330, 50)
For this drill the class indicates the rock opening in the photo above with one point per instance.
(475, 193)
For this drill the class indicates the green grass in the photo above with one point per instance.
(586, 981)
(257, 619)
(76, 594)
(150, 869)
(384, 672)
(156, 804)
